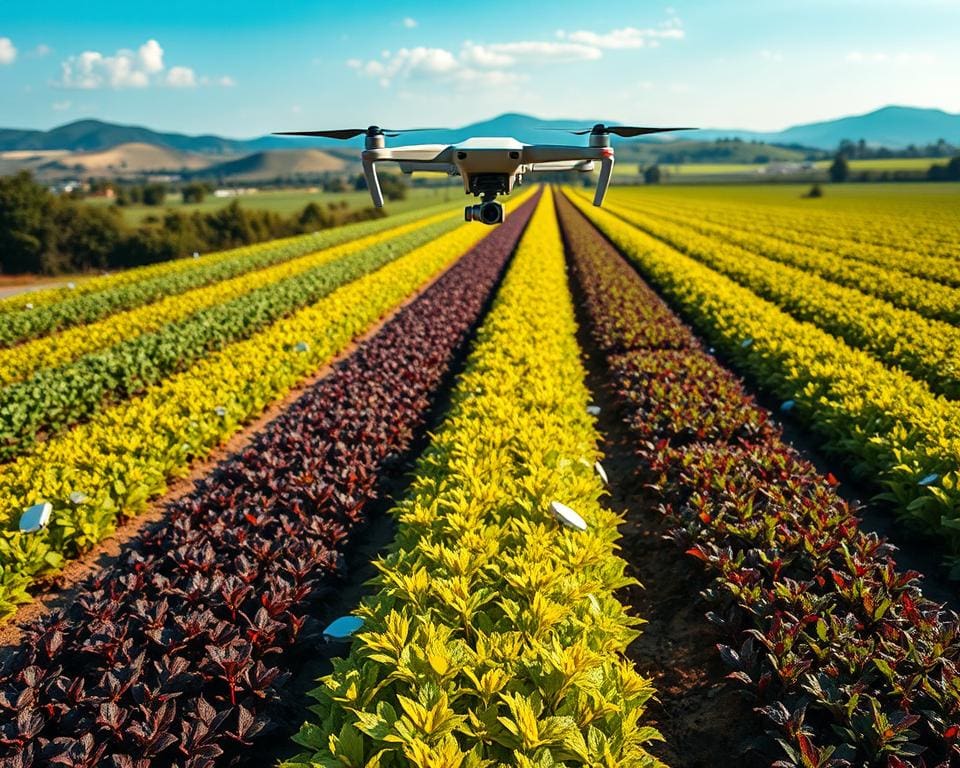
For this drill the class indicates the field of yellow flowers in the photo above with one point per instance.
(419, 560)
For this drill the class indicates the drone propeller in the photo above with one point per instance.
(625, 131)
(349, 133)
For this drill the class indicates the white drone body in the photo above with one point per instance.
(488, 166)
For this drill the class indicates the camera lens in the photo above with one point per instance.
(491, 213)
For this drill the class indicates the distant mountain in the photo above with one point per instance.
(895, 127)
(91, 135)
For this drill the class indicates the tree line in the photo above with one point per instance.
(44, 233)
(840, 171)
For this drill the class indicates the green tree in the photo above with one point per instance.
(154, 194)
(26, 230)
(652, 175)
(194, 193)
(840, 169)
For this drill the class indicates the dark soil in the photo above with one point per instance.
(702, 717)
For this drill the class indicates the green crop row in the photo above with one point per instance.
(889, 426)
(926, 297)
(22, 361)
(109, 467)
(49, 311)
(927, 349)
(56, 398)
(841, 235)
(495, 638)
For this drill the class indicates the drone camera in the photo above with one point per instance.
(487, 213)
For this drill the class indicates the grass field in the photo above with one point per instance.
(284, 201)
(889, 164)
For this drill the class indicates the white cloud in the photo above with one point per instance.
(533, 51)
(483, 56)
(126, 68)
(61, 106)
(408, 63)
(181, 77)
(768, 55)
(151, 56)
(473, 66)
(41, 50)
(8, 53)
(626, 37)
(410, 23)
(491, 63)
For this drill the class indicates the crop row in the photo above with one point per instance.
(494, 638)
(872, 224)
(923, 296)
(175, 655)
(24, 360)
(887, 425)
(93, 299)
(848, 663)
(56, 398)
(924, 258)
(109, 467)
(927, 349)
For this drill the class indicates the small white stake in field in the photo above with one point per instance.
(36, 517)
(601, 472)
(567, 516)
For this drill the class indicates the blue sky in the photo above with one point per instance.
(245, 68)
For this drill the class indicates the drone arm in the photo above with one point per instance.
(534, 154)
(438, 154)
(562, 165)
(373, 183)
(606, 171)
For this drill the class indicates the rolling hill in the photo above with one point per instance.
(130, 158)
(893, 126)
(275, 164)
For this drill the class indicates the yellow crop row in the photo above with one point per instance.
(109, 467)
(927, 349)
(22, 361)
(926, 297)
(922, 256)
(495, 638)
(886, 423)
(322, 239)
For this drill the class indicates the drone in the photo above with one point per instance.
(489, 166)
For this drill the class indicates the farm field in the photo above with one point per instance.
(603, 460)
(760, 171)
(282, 201)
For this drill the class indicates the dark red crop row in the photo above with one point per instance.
(848, 662)
(175, 655)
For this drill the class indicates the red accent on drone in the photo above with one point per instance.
(606, 152)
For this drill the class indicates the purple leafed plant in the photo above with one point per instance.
(175, 654)
(849, 664)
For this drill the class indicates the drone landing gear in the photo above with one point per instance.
(489, 211)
